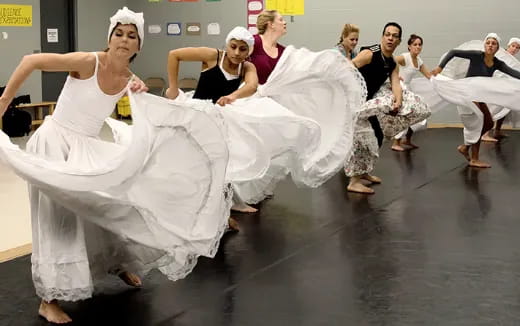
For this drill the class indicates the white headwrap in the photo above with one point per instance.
(241, 34)
(514, 40)
(126, 16)
(493, 35)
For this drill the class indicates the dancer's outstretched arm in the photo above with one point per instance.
(207, 56)
(81, 64)
(248, 89)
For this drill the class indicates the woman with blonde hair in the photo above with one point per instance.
(348, 41)
(312, 85)
(267, 51)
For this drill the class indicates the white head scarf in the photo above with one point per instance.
(241, 34)
(493, 35)
(513, 40)
(126, 16)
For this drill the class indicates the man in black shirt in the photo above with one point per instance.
(376, 64)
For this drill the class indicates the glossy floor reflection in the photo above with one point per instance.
(437, 244)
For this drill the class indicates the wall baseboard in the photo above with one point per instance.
(15, 252)
(459, 125)
(445, 125)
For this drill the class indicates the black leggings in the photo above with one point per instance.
(377, 129)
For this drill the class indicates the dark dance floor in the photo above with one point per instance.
(438, 244)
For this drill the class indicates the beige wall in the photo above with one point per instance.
(443, 24)
(92, 22)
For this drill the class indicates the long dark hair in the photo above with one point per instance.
(414, 37)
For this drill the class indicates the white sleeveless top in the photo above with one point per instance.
(408, 71)
(227, 74)
(82, 106)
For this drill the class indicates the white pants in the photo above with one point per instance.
(473, 121)
(416, 127)
(498, 112)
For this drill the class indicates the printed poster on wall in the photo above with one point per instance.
(192, 28)
(154, 29)
(286, 7)
(254, 8)
(173, 29)
(52, 35)
(15, 15)
(213, 29)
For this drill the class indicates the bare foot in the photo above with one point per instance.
(409, 144)
(371, 178)
(130, 279)
(244, 208)
(464, 151)
(233, 225)
(397, 148)
(487, 137)
(360, 188)
(53, 313)
(479, 164)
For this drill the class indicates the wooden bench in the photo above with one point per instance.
(38, 111)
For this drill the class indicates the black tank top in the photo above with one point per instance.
(377, 71)
(213, 84)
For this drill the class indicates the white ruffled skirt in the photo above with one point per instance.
(156, 198)
(325, 88)
(497, 93)
(451, 88)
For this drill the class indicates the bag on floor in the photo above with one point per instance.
(16, 122)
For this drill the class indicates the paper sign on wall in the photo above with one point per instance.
(213, 29)
(254, 8)
(192, 28)
(154, 29)
(52, 35)
(286, 7)
(15, 15)
(173, 28)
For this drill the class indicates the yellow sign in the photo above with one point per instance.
(286, 7)
(15, 15)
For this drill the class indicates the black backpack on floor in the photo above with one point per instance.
(16, 122)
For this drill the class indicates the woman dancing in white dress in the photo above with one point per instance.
(99, 207)
(472, 100)
(410, 64)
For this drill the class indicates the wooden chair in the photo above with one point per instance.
(156, 85)
(188, 84)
